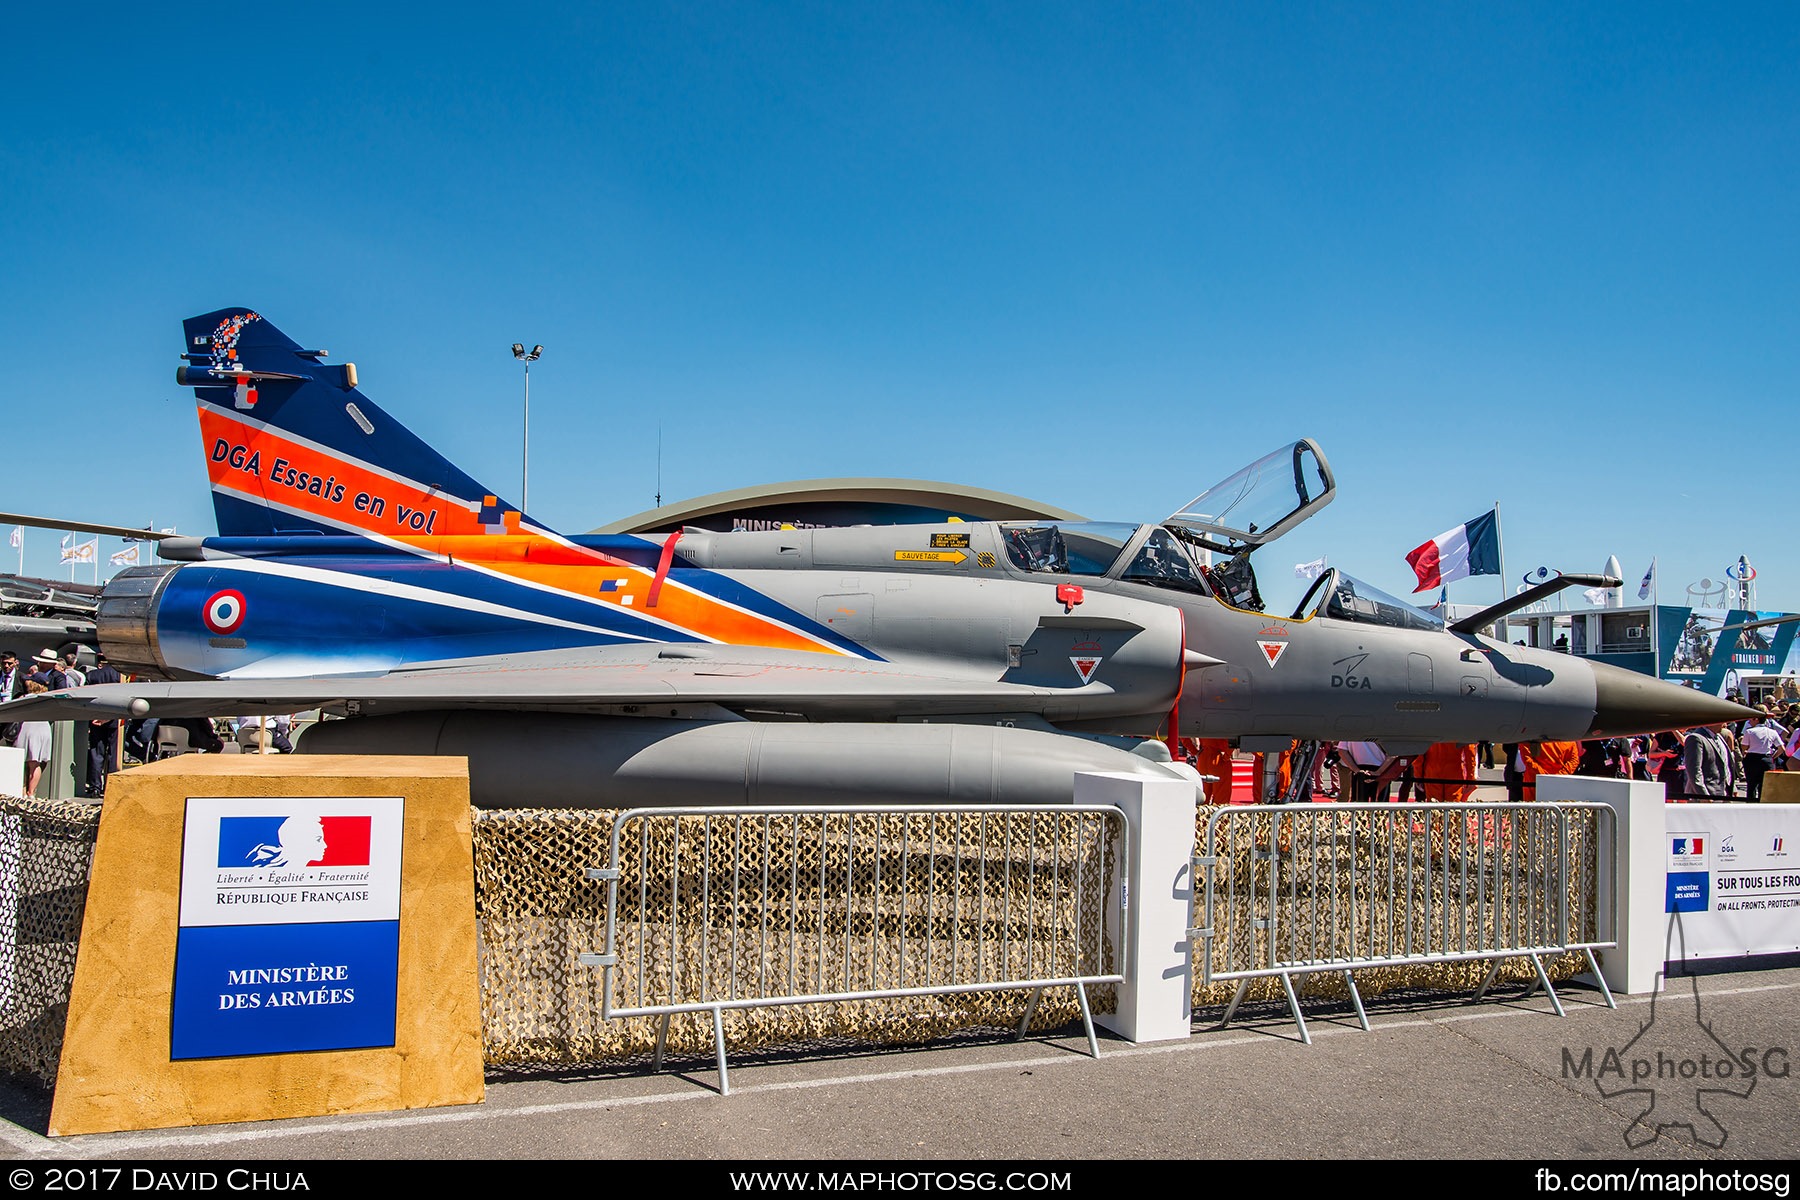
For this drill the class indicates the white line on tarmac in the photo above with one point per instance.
(125, 1144)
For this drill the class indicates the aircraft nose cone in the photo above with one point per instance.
(1626, 702)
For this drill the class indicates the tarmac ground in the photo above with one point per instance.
(1436, 1078)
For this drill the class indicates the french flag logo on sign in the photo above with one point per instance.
(1687, 846)
(294, 841)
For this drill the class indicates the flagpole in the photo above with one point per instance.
(1656, 662)
(1500, 544)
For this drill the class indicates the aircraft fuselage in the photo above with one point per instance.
(960, 600)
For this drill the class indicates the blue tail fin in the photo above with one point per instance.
(293, 447)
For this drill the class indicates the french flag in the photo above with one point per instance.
(1472, 548)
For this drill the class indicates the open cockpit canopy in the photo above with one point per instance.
(1231, 519)
(1259, 503)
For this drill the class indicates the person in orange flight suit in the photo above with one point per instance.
(1213, 757)
(1548, 758)
(1451, 760)
(1284, 766)
(1448, 760)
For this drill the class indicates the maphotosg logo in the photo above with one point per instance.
(1679, 1071)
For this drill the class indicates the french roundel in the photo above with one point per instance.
(224, 612)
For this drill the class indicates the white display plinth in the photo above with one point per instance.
(1640, 877)
(1156, 1001)
(12, 771)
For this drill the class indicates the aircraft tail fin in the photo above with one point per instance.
(293, 447)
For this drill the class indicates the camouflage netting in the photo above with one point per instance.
(832, 903)
(1400, 883)
(815, 905)
(46, 849)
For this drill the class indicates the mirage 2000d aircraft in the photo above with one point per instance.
(358, 571)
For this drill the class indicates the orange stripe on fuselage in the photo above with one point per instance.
(530, 558)
(338, 491)
(259, 461)
(490, 550)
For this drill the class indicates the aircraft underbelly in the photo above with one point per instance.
(535, 760)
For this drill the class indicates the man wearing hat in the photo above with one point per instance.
(45, 663)
(103, 736)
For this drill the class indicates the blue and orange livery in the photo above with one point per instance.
(318, 489)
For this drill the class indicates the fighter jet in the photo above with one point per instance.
(358, 571)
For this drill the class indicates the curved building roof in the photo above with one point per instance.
(837, 502)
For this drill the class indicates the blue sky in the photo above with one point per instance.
(1099, 255)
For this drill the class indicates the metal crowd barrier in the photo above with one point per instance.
(1296, 890)
(901, 901)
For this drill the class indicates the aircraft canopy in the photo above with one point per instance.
(1347, 598)
(1261, 502)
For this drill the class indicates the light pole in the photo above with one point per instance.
(526, 357)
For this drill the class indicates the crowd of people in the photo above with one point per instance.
(49, 671)
(1705, 763)
(1712, 762)
(1363, 772)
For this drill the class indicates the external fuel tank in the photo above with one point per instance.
(553, 760)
